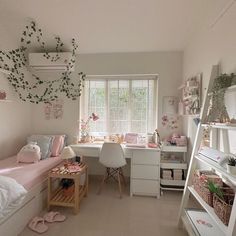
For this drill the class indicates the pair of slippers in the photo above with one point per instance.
(38, 225)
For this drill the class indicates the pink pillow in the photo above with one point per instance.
(30, 153)
(57, 145)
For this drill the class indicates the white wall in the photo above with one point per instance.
(15, 116)
(210, 46)
(168, 65)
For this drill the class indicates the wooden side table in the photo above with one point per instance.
(56, 196)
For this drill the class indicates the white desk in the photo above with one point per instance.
(145, 166)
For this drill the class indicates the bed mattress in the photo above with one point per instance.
(28, 174)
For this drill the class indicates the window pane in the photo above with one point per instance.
(97, 105)
(122, 105)
(118, 106)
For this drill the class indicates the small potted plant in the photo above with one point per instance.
(231, 166)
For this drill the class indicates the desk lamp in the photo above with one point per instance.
(67, 153)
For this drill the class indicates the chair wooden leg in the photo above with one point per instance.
(118, 177)
(103, 180)
(123, 177)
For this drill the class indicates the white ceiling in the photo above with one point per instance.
(103, 26)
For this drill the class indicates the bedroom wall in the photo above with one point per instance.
(210, 46)
(168, 65)
(15, 118)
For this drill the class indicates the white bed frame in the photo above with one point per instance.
(32, 205)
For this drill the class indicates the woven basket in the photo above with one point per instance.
(222, 207)
(201, 188)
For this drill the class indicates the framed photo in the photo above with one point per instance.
(170, 105)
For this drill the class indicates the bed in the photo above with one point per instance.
(33, 177)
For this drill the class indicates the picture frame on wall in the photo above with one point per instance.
(170, 105)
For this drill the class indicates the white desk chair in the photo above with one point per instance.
(112, 157)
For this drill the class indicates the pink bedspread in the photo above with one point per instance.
(27, 175)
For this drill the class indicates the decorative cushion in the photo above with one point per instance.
(57, 145)
(44, 142)
(30, 153)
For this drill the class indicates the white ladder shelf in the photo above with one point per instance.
(229, 230)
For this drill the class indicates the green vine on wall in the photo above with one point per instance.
(38, 90)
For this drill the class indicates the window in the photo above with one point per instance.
(123, 103)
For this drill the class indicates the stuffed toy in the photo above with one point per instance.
(30, 153)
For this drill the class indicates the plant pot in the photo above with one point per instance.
(231, 169)
(69, 191)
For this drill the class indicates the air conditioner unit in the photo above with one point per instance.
(39, 62)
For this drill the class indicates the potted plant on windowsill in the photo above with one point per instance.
(231, 166)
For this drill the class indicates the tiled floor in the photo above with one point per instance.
(108, 215)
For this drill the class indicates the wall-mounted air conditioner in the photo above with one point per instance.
(39, 62)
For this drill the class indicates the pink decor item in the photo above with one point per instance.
(131, 138)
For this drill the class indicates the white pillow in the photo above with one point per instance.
(11, 193)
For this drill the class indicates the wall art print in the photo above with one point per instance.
(54, 109)
(170, 105)
(170, 121)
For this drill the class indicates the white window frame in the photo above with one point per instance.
(83, 111)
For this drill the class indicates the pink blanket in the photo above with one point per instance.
(26, 174)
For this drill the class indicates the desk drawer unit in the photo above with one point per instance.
(146, 157)
(145, 173)
(146, 187)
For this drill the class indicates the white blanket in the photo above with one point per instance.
(11, 195)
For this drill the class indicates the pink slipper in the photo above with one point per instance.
(54, 216)
(37, 225)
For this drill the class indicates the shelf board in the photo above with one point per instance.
(209, 210)
(173, 182)
(217, 168)
(188, 226)
(190, 97)
(172, 189)
(173, 148)
(170, 165)
(220, 126)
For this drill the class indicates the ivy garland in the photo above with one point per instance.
(15, 61)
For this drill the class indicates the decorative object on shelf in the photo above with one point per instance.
(231, 165)
(156, 137)
(84, 127)
(170, 105)
(170, 121)
(191, 94)
(3, 95)
(217, 111)
(54, 109)
(16, 62)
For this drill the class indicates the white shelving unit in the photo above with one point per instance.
(185, 220)
(173, 184)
